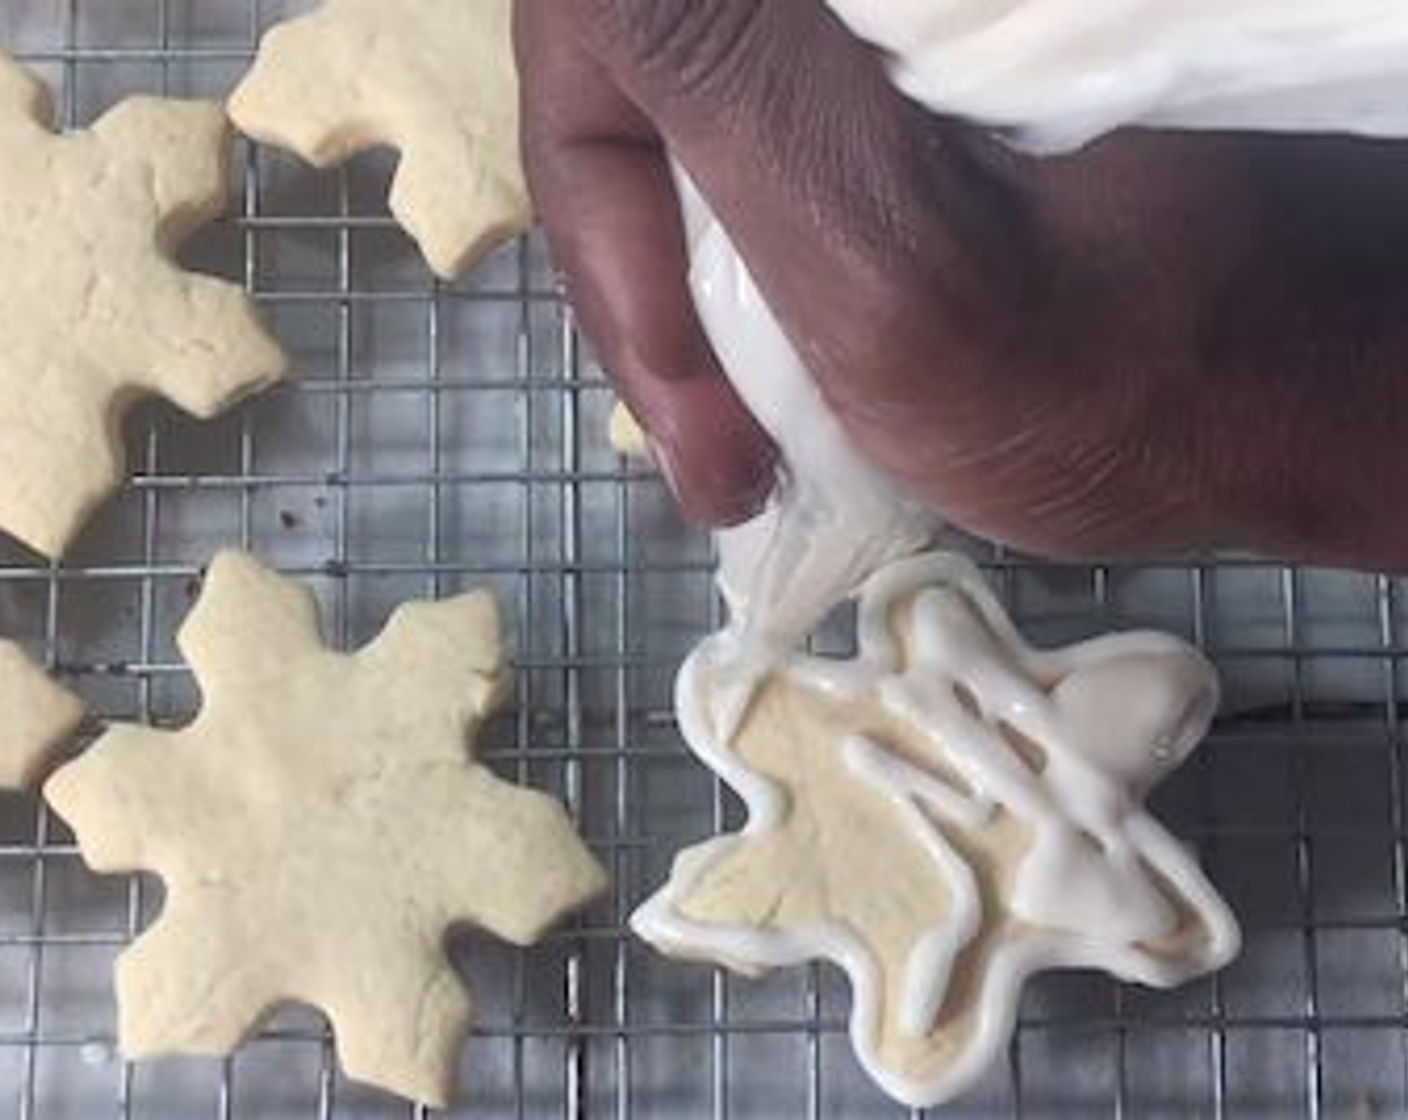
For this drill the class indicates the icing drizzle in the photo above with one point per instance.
(835, 518)
(1066, 742)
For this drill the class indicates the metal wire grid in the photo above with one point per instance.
(438, 437)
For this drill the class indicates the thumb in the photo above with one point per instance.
(612, 89)
(601, 183)
(826, 177)
(784, 119)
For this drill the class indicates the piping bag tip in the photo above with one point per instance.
(834, 520)
(784, 573)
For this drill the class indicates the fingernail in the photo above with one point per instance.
(754, 499)
(665, 464)
(716, 499)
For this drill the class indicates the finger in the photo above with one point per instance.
(827, 178)
(602, 187)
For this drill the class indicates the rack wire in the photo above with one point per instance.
(438, 437)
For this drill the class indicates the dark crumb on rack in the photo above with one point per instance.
(192, 589)
(289, 520)
(320, 502)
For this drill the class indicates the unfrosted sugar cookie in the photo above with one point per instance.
(94, 312)
(35, 716)
(321, 828)
(434, 79)
(944, 815)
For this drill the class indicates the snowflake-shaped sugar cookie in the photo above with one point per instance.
(35, 716)
(943, 816)
(434, 79)
(94, 312)
(321, 828)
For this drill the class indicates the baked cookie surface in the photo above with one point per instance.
(35, 715)
(435, 80)
(94, 310)
(321, 828)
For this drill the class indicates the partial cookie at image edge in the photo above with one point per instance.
(97, 311)
(435, 80)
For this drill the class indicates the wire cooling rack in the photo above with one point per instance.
(441, 437)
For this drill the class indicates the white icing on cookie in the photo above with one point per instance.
(932, 959)
(1061, 72)
(1063, 742)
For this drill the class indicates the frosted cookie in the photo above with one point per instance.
(94, 312)
(321, 828)
(36, 715)
(434, 79)
(944, 815)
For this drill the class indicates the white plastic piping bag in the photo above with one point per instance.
(834, 519)
(1057, 73)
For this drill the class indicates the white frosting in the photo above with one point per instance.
(1098, 883)
(933, 957)
(1060, 72)
(835, 518)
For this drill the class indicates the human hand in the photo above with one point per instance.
(1166, 342)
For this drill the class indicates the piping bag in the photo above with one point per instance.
(1052, 75)
(834, 519)
(1055, 74)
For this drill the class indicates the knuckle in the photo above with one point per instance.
(697, 45)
